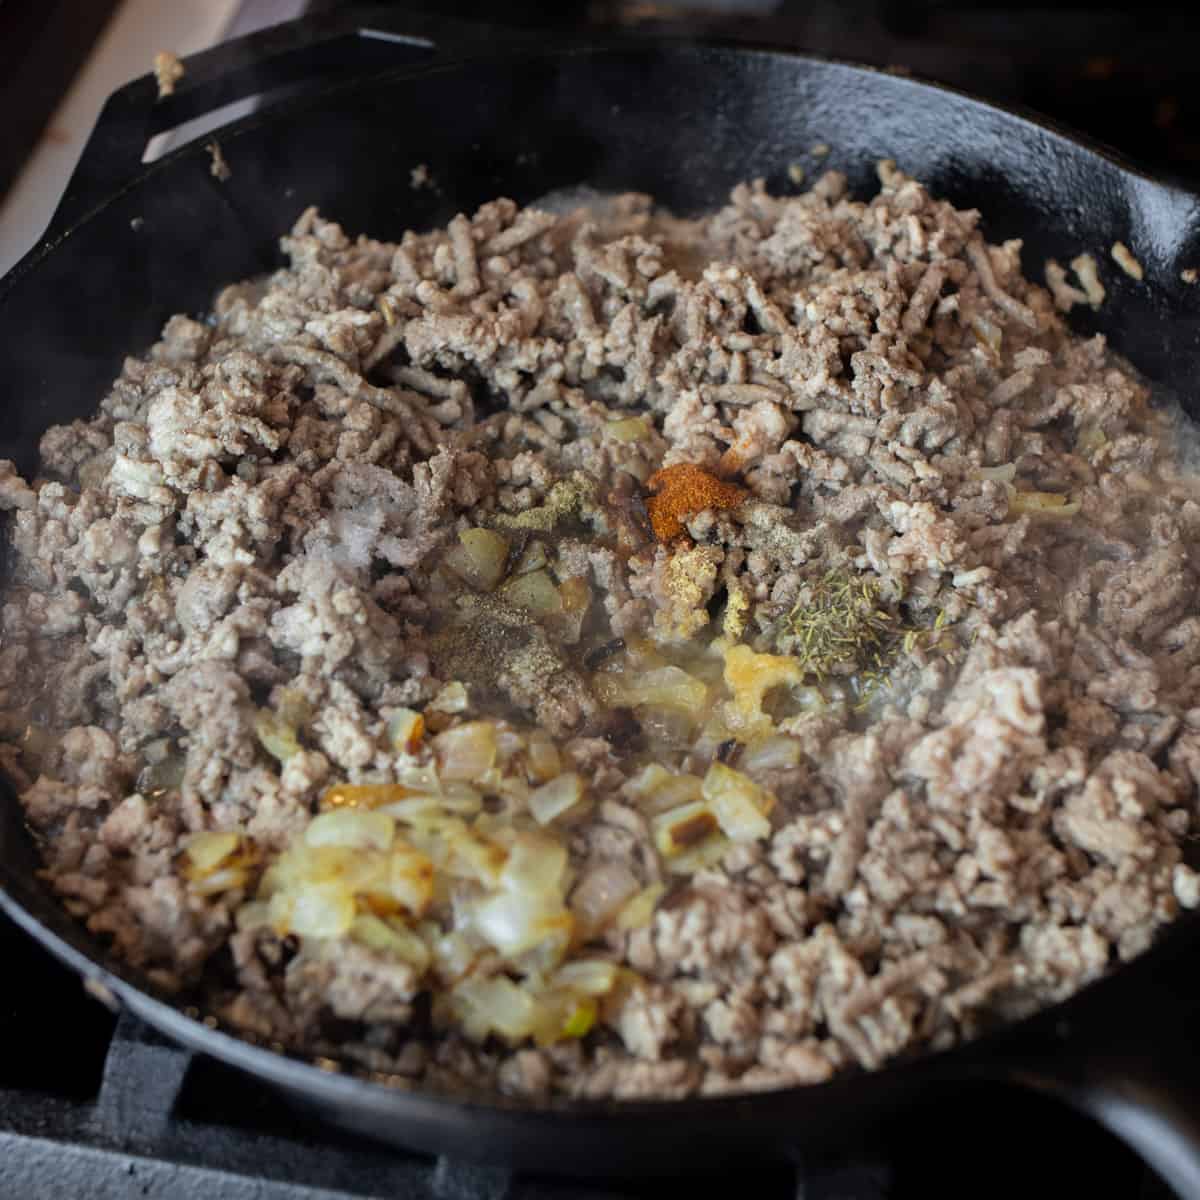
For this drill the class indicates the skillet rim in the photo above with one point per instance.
(456, 58)
(963, 1061)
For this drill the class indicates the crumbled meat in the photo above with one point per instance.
(237, 584)
(168, 71)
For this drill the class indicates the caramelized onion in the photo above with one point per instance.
(600, 894)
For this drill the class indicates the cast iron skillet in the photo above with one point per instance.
(131, 245)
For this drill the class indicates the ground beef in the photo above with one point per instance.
(232, 582)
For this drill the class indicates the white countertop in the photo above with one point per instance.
(139, 29)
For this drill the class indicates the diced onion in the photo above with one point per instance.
(456, 868)
(628, 429)
(205, 852)
(514, 922)
(738, 803)
(463, 797)
(321, 910)
(670, 687)
(1041, 504)
(774, 753)
(453, 698)
(683, 828)
(358, 827)
(666, 728)
(555, 798)
(655, 789)
(515, 791)
(414, 809)
(276, 736)
(580, 1018)
(544, 760)
(303, 864)
(410, 879)
(223, 880)
(417, 808)
(508, 743)
(466, 751)
(648, 780)
(388, 937)
(576, 595)
(1005, 473)
(472, 857)
(548, 953)
(536, 865)
(536, 592)
(638, 911)
(592, 976)
(707, 854)
(533, 557)
(454, 954)
(363, 795)
(405, 729)
(417, 778)
(495, 1006)
(601, 894)
(479, 558)
(295, 708)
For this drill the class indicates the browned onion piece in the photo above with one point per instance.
(601, 894)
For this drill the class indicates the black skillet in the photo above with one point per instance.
(132, 244)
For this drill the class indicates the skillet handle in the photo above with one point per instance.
(307, 55)
(1130, 1060)
(1148, 1096)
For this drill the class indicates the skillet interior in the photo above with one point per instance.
(682, 122)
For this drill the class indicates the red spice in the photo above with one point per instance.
(682, 491)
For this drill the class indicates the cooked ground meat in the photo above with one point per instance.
(783, 608)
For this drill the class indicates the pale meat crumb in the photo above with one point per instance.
(1084, 266)
(1065, 296)
(218, 168)
(1186, 885)
(1125, 260)
(168, 71)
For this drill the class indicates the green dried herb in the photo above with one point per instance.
(840, 621)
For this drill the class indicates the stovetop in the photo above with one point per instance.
(94, 1105)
